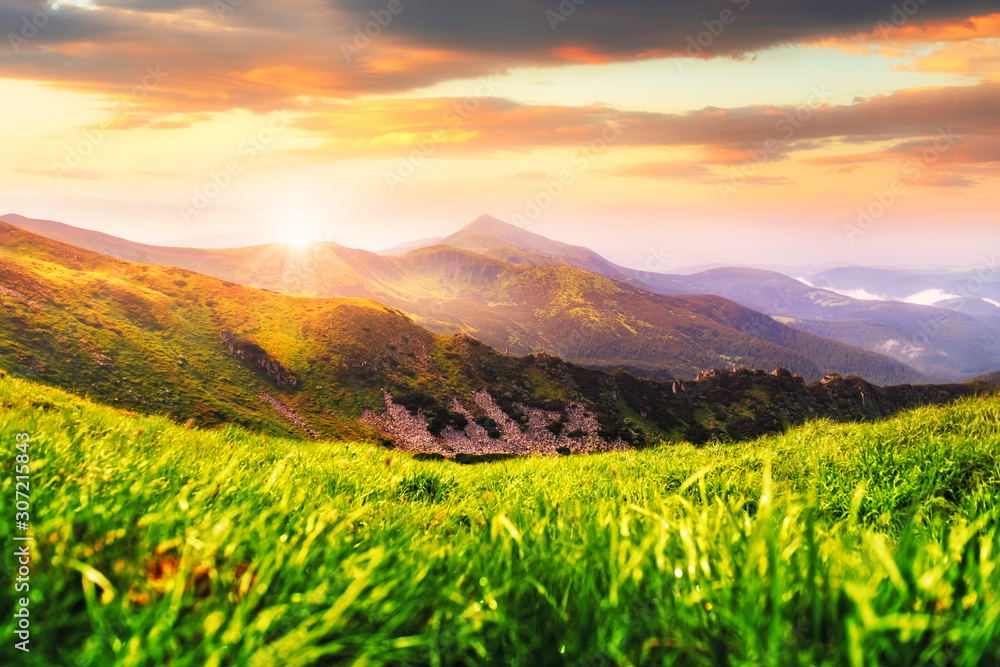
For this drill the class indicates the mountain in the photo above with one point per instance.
(406, 246)
(165, 340)
(914, 283)
(489, 236)
(941, 343)
(966, 331)
(993, 378)
(890, 284)
(974, 292)
(587, 318)
(581, 316)
(492, 237)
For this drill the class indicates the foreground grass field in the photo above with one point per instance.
(829, 545)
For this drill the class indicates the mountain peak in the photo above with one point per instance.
(487, 224)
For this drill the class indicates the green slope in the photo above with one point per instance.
(830, 545)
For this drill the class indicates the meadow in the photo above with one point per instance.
(831, 544)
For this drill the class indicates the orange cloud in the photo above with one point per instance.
(965, 46)
(726, 137)
(581, 54)
(853, 159)
(979, 58)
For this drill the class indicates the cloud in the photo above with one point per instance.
(900, 33)
(900, 348)
(946, 181)
(679, 170)
(261, 56)
(960, 161)
(860, 294)
(917, 121)
(627, 29)
(75, 174)
(977, 58)
(929, 297)
(297, 56)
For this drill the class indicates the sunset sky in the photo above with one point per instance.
(662, 134)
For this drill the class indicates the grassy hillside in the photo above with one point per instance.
(583, 317)
(165, 340)
(829, 545)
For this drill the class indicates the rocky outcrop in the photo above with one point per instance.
(255, 356)
(719, 405)
(577, 431)
(290, 415)
(14, 294)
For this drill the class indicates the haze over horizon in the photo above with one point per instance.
(690, 133)
(657, 260)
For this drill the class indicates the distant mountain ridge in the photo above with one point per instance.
(966, 334)
(993, 378)
(525, 307)
(940, 342)
(489, 236)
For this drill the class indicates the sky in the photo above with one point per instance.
(662, 134)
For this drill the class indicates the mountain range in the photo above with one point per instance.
(545, 301)
(943, 323)
(209, 351)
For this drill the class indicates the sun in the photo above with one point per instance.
(300, 237)
(299, 229)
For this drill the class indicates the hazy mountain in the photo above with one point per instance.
(942, 343)
(966, 331)
(592, 319)
(975, 291)
(489, 236)
(523, 308)
(406, 246)
(166, 340)
(891, 284)
(993, 378)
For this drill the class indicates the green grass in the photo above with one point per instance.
(829, 545)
